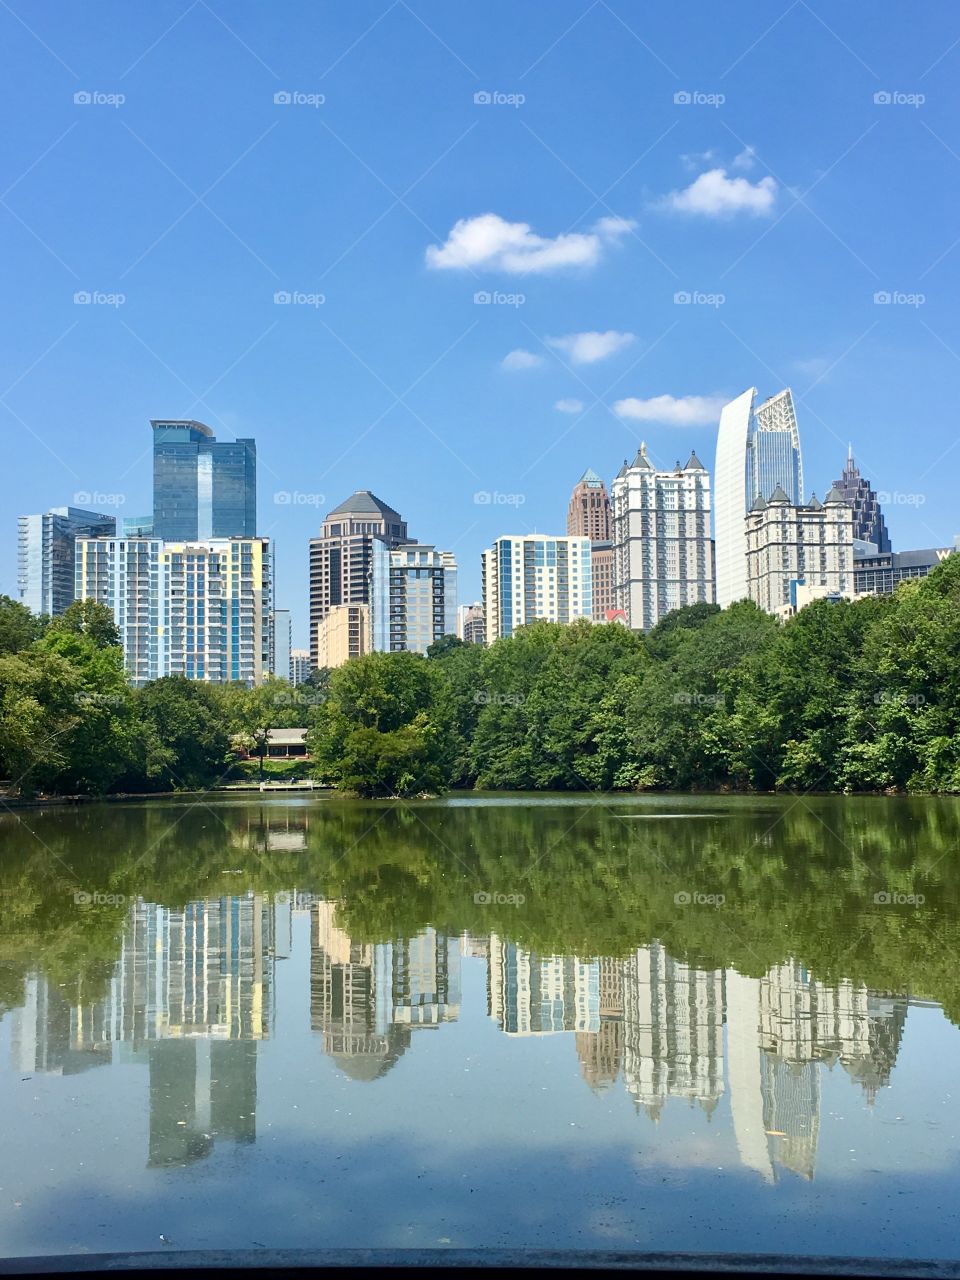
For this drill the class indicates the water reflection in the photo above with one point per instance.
(193, 994)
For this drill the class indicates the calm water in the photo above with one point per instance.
(668, 1023)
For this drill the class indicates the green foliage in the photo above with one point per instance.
(19, 628)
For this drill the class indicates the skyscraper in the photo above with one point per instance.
(201, 488)
(46, 555)
(198, 609)
(340, 559)
(758, 448)
(470, 625)
(868, 522)
(531, 576)
(662, 553)
(589, 516)
(413, 597)
(789, 547)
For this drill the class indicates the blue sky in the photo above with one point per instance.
(782, 196)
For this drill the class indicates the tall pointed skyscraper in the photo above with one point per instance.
(758, 449)
(589, 516)
(868, 522)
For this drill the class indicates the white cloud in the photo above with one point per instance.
(521, 359)
(697, 159)
(715, 195)
(588, 348)
(490, 242)
(674, 411)
(746, 159)
(569, 406)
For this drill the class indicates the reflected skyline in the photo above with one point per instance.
(193, 994)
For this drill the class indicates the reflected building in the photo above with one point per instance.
(540, 995)
(367, 998)
(601, 1052)
(673, 1031)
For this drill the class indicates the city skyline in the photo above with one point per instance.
(681, 213)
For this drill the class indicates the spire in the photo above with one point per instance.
(835, 497)
(590, 477)
(694, 463)
(623, 470)
(758, 503)
(641, 460)
(815, 504)
(778, 495)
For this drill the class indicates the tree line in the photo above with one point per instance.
(849, 696)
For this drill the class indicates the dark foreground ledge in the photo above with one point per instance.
(283, 1262)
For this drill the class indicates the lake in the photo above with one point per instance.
(648, 1022)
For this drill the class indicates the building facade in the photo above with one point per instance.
(662, 551)
(795, 554)
(470, 624)
(413, 597)
(531, 576)
(758, 449)
(340, 558)
(282, 638)
(868, 522)
(589, 514)
(343, 633)
(202, 488)
(46, 549)
(203, 610)
(299, 666)
(880, 573)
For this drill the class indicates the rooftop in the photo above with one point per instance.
(364, 503)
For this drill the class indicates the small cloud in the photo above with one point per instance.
(715, 195)
(588, 348)
(697, 159)
(569, 406)
(746, 159)
(521, 359)
(673, 411)
(490, 242)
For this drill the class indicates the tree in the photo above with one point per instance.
(183, 735)
(443, 646)
(19, 628)
(91, 619)
(378, 732)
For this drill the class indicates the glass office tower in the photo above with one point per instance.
(202, 488)
(45, 555)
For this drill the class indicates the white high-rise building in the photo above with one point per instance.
(413, 596)
(758, 449)
(662, 552)
(527, 577)
(198, 609)
(796, 554)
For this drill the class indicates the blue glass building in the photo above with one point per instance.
(202, 488)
